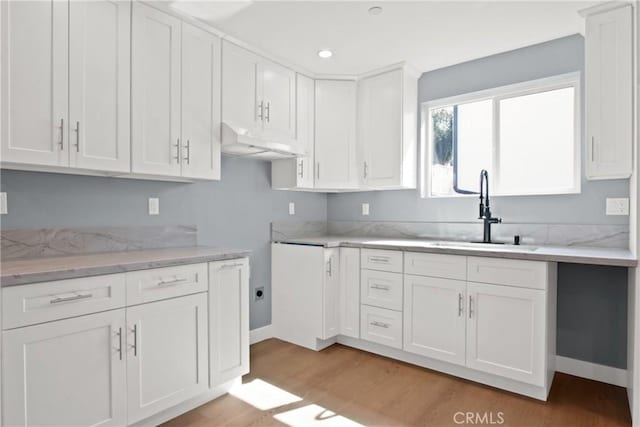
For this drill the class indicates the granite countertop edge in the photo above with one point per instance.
(569, 254)
(33, 270)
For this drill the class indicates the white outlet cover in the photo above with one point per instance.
(292, 208)
(618, 206)
(154, 206)
(3, 203)
(365, 209)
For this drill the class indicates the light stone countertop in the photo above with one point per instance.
(24, 271)
(568, 254)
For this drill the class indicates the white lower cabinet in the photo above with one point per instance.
(506, 333)
(67, 373)
(229, 311)
(434, 318)
(166, 354)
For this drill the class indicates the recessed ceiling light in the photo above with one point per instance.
(325, 53)
(375, 10)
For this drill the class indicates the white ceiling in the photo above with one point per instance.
(427, 34)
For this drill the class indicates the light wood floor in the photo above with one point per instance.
(342, 386)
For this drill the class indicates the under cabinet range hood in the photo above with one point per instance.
(239, 142)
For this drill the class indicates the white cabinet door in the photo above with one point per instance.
(34, 82)
(67, 373)
(305, 118)
(609, 87)
(506, 331)
(277, 85)
(155, 92)
(229, 319)
(434, 318)
(350, 292)
(331, 294)
(335, 151)
(240, 105)
(167, 352)
(99, 83)
(201, 63)
(380, 129)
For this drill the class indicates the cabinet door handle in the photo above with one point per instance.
(459, 304)
(365, 169)
(381, 287)
(593, 148)
(61, 143)
(177, 145)
(135, 340)
(318, 170)
(301, 174)
(470, 306)
(330, 267)
(119, 333)
(379, 324)
(77, 137)
(174, 281)
(188, 148)
(261, 111)
(72, 298)
(268, 112)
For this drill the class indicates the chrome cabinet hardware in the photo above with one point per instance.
(330, 267)
(119, 333)
(365, 169)
(177, 145)
(261, 110)
(174, 281)
(268, 112)
(61, 143)
(593, 155)
(301, 173)
(459, 304)
(380, 324)
(188, 158)
(318, 170)
(77, 130)
(381, 287)
(225, 266)
(135, 340)
(470, 306)
(379, 259)
(71, 298)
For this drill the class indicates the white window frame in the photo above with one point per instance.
(497, 94)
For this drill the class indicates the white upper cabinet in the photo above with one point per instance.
(155, 92)
(35, 82)
(298, 173)
(99, 84)
(609, 102)
(259, 95)
(335, 134)
(200, 140)
(387, 127)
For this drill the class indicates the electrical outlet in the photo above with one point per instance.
(618, 206)
(154, 206)
(3, 203)
(292, 208)
(365, 209)
(259, 293)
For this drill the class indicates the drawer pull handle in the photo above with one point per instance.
(171, 282)
(379, 259)
(225, 266)
(68, 299)
(380, 324)
(381, 287)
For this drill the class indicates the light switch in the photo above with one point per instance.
(292, 208)
(365, 209)
(154, 206)
(618, 206)
(3, 203)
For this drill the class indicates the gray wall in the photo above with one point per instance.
(543, 60)
(234, 212)
(591, 300)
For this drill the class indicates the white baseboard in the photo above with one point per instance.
(592, 371)
(260, 334)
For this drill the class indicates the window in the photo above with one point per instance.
(525, 135)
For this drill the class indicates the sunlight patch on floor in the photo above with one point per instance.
(314, 415)
(262, 395)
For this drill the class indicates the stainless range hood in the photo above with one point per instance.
(239, 142)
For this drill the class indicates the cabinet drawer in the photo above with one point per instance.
(381, 289)
(381, 325)
(509, 272)
(436, 265)
(47, 301)
(161, 283)
(376, 259)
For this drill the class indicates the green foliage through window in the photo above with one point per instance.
(442, 119)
